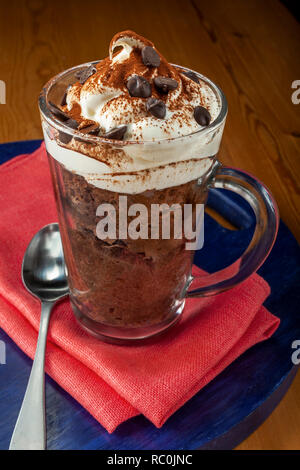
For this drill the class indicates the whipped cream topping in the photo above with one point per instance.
(155, 153)
(142, 179)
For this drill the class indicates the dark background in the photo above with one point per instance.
(293, 6)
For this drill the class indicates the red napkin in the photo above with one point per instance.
(113, 382)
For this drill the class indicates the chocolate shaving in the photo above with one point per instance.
(57, 111)
(92, 129)
(72, 123)
(83, 74)
(116, 134)
(63, 136)
(192, 76)
(64, 98)
(88, 129)
(78, 73)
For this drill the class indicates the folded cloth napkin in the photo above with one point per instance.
(115, 382)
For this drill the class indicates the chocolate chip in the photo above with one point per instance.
(78, 74)
(57, 112)
(72, 123)
(64, 98)
(202, 116)
(64, 137)
(192, 76)
(92, 129)
(138, 86)
(89, 129)
(150, 57)
(116, 134)
(156, 107)
(165, 84)
(83, 74)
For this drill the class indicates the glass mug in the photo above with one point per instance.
(123, 290)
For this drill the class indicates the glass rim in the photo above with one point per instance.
(57, 124)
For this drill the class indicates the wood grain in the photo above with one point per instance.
(250, 48)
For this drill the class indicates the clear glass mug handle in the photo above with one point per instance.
(267, 222)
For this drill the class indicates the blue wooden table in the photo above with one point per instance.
(229, 408)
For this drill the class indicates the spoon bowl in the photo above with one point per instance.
(43, 268)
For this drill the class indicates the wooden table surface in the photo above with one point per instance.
(250, 48)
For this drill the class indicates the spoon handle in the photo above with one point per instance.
(30, 428)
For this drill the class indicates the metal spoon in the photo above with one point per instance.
(44, 276)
